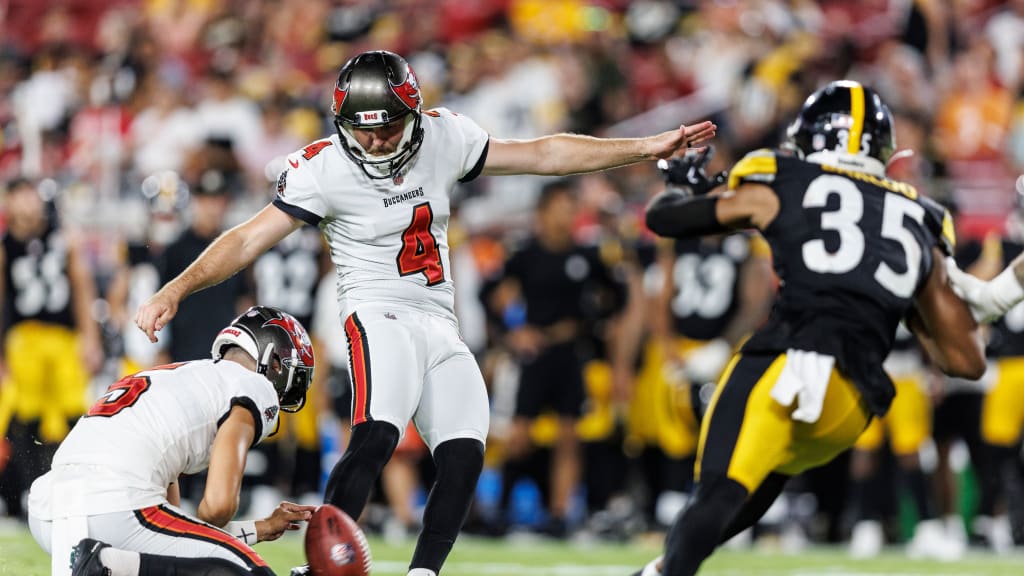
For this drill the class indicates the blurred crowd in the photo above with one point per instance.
(147, 127)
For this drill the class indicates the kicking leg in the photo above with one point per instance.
(355, 475)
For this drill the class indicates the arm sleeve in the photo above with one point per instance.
(677, 215)
(298, 193)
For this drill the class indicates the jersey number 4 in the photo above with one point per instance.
(845, 220)
(419, 252)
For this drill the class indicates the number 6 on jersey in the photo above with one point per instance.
(419, 251)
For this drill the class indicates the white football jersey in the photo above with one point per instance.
(151, 427)
(388, 237)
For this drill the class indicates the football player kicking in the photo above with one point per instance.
(379, 191)
(855, 253)
(110, 499)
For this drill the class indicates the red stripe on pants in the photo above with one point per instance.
(161, 520)
(358, 358)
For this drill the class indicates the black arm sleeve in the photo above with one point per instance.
(676, 215)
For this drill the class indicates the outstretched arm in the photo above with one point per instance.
(990, 300)
(564, 154)
(229, 253)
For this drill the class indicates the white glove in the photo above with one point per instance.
(705, 364)
(988, 300)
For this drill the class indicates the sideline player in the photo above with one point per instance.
(855, 252)
(114, 478)
(379, 191)
(51, 343)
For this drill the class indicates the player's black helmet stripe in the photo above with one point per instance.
(844, 117)
(268, 334)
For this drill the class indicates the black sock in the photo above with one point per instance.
(698, 530)
(459, 463)
(154, 565)
(355, 475)
(920, 491)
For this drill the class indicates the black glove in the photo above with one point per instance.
(687, 173)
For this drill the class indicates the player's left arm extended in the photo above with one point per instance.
(992, 299)
(565, 154)
(676, 214)
(944, 326)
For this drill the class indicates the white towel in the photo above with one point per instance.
(804, 378)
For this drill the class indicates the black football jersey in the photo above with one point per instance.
(851, 251)
(1006, 336)
(705, 280)
(287, 275)
(36, 282)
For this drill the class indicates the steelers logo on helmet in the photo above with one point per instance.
(844, 124)
(378, 91)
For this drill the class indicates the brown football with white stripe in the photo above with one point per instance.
(335, 545)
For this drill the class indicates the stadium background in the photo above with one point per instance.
(126, 109)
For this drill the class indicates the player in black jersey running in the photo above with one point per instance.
(856, 253)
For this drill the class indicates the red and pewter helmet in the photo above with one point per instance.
(375, 89)
(281, 347)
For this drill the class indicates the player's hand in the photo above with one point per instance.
(688, 172)
(667, 144)
(285, 517)
(156, 313)
(974, 291)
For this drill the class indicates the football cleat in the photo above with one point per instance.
(85, 558)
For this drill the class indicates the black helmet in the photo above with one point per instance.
(269, 334)
(374, 89)
(847, 121)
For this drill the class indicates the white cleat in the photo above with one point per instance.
(999, 534)
(867, 539)
(931, 541)
(653, 568)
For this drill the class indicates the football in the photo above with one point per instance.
(335, 546)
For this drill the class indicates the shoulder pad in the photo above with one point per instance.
(940, 222)
(758, 166)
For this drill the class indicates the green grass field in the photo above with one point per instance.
(20, 556)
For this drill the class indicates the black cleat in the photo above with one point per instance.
(85, 558)
(303, 570)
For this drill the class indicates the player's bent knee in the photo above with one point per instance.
(374, 441)
(460, 458)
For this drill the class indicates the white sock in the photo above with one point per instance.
(120, 562)
(421, 572)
